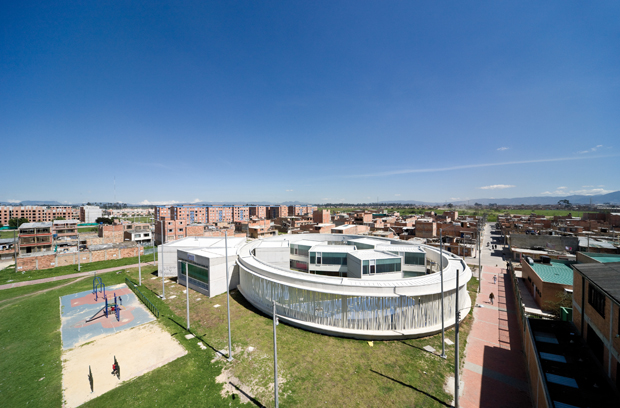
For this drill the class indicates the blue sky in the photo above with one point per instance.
(309, 101)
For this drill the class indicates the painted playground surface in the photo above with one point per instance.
(92, 342)
(77, 308)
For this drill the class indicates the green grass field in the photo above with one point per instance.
(8, 234)
(316, 370)
(9, 274)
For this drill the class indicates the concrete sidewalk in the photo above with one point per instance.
(494, 374)
(63, 277)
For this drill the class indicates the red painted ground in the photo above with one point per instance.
(90, 298)
(110, 322)
(495, 345)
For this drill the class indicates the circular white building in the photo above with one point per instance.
(353, 286)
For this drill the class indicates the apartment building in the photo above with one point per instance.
(34, 213)
(171, 230)
(277, 211)
(321, 217)
(161, 212)
(65, 232)
(189, 213)
(139, 232)
(35, 237)
(258, 211)
(241, 213)
(90, 213)
(5, 214)
(596, 312)
(219, 214)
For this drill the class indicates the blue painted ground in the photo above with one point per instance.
(75, 309)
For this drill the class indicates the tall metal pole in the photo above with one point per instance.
(163, 288)
(15, 249)
(456, 343)
(228, 297)
(78, 252)
(479, 261)
(443, 340)
(275, 355)
(187, 292)
(139, 267)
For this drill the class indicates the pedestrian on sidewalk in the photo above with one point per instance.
(495, 279)
(491, 297)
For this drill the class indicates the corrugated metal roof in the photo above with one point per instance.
(554, 272)
(603, 258)
(594, 243)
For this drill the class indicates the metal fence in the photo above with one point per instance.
(143, 298)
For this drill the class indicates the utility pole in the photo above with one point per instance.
(275, 355)
(456, 344)
(228, 297)
(163, 288)
(15, 249)
(187, 291)
(479, 260)
(443, 340)
(78, 252)
(139, 267)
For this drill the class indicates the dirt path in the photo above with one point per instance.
(10, 300)
(63, 277)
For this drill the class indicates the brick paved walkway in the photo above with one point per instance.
(495, 374)
(63, 277)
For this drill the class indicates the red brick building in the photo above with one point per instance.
(258, 211)
(277, 211)
(321, 217)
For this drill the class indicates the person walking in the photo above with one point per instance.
(491, 297)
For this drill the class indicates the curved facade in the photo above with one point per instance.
(371, 307)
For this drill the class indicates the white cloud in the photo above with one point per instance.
(13, 201)
(454, 198)
(592, 191)
(592, 149)
(147, 202)
(561, 188)
(289, 190)
(501, 149)
(196, 200)
(474, 166)
(554, 193)
(589, 186)
(496, 187)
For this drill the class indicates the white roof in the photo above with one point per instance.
(212, 252)
(344, 227)
(372, 254)
(368, 241)
(206, 242)
(35, 225)
(400, 248)
(333, 248)
(307, 242)
(273, 244)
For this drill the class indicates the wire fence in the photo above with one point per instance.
(143, 298)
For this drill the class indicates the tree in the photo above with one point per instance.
(104, 220)
(14, 223)
(565, 203)
(563, 299)
(450, 205)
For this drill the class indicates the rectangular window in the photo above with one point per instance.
(596, 299)
(312, 257)
(200, 273)
(365, 267)
(335, 259)
(388, 265)
(413, 258)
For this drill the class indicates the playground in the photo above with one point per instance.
(108, 337)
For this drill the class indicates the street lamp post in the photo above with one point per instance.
(139, 267)
(78, 251)
(479, 260)
(228, 297)
(15, 249)
(456, 344)
(443, 341)
(187, 291)
(275, 355)
(163, 287)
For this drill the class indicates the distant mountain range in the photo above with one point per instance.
(612, 198)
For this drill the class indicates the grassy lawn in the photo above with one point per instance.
(8, 234)
(138, 219)
(9, 274)
(314, 369)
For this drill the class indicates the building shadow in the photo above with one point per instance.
(197, 336)
(413, 388)
(419, 348)
(503, 379)
(248, 396)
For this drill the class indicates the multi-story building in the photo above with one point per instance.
(596, 312)
(32, 213)
(189, 213)
(90, 213)
(161, 212)
(5, 214)
(277, 211)
(241, 213)
(425, 228)
(35, 237)
(65, 232)
(169, 230)
(56, 212)
(321, 217)
(258, 211)
(296, 210)
(139, 232)
(219, 214)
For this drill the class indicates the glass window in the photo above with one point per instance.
(413, 258)
(200, 273)
(388, 265)
(596, 299)
(365, 267)
(312, 257)
(335, 258)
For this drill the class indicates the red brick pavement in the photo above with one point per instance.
(495, 374)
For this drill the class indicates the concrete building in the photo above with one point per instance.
(596, 312)
(35, 237)
(65, 234)
(137, 232)
(546, 280)
(377, 303)
(5, 214)
(425, 228)
(161, 212)
(90, 213)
